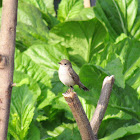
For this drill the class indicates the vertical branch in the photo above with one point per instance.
(86, 3)
(7, 48)
(102, 104)
(79, 115)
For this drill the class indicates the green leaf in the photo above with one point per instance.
(34, 133)
(123, 131)
(120, 17)
(84, 14)
(88, 108)
(47, 10)
(43, 55)
(27, 14)
(21, 79)
(68, 9)
(115, 67)
(65, 131)
(22, 105)
(29, 28)
(21, 112)
(42, 5)
(77, 35)
(46, 99)
(90, 74)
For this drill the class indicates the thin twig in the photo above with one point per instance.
(79, 115)
(102, 104)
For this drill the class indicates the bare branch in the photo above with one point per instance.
(79, 115)
(7, 48)
(102, 104)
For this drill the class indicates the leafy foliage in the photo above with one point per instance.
(99, 41)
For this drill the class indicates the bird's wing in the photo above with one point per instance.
(74, 76)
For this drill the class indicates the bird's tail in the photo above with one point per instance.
(83, 87)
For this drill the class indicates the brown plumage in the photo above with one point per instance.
(68, 76)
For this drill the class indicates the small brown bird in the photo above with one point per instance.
(68, 76)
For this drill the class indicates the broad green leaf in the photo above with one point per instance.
(47, 10)
(115, 68)
(123, 131)
(60, 103)
(65, 131)
(84, 14)
(68, 9)
(120, 115)
(113, 124)
(43, 55)
(73, 10)
(26, 65)
(122, 60)
(77, 35)
(24, 79)
(43, 5)
(46, 98)
(90, 74)
(88, 108)
(21, 112)
(122, 16)
(27, 14)
(128, 51)
(30, 28)
(131, 137)
(34, 133)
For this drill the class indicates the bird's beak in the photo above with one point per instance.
(59, 63)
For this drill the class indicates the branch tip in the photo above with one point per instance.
(109, 79)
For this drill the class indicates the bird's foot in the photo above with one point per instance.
(70, 89)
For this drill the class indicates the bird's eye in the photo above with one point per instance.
(65, 64)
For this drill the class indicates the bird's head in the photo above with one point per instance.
(65, 63)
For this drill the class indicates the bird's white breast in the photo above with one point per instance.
(65, 77)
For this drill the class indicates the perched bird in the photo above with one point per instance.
(68, 76)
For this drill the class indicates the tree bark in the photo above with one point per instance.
(7, 48)
(79, 115)
(86, 3)
(102, 104)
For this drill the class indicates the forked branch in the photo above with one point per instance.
(88, 130)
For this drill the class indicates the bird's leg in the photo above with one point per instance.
(71, 88)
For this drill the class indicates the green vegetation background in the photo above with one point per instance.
(99, 41)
